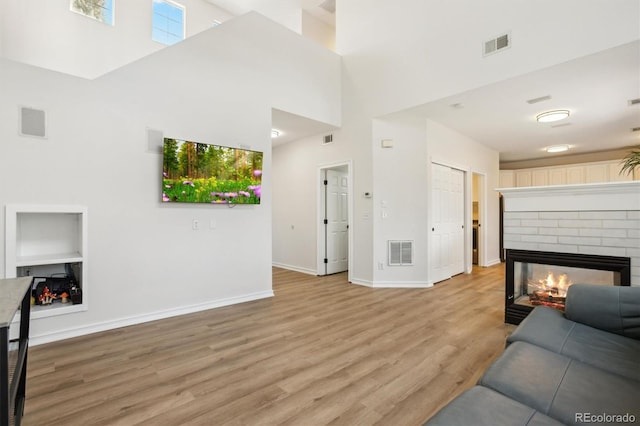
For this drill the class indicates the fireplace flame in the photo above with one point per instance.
(557, 286)
(550, 291)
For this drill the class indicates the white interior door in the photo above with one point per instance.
(447, 224)
(337, 221)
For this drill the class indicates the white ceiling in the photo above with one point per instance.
(293, 127)
(596, 89)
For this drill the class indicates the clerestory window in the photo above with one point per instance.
(168, 22)
(100, 10)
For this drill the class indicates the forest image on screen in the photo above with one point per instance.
(195, 172)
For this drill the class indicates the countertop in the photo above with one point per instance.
(12, 291)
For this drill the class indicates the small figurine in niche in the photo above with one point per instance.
(64, 297)
(47, 298)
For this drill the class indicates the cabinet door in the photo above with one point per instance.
(557, 176)
(507, 179)
(523, 178)
(540, 177)
(614, 173)
(575, 175)
(596, 173)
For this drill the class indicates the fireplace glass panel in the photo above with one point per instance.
(540, 284)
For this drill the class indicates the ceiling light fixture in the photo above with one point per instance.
(557, 148)
(275, 133)
(551, 116)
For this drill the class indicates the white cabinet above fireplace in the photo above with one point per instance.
(610, 196)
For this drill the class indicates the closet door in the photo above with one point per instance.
(447, 223)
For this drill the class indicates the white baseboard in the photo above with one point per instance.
(401, 284)
(365, 283)
(295, 268)
(493, 262)
(139, 319)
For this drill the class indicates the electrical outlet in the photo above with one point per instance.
(380, 266)
(195, 225)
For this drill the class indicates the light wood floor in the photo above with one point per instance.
(322, 351)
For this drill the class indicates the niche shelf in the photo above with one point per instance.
(45, 241)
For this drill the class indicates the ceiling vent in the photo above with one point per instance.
(328, 5)
(634, 101)
(400, 253)
(540, 99)
(497, 44)
(327, 139)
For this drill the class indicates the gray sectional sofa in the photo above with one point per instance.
(577, 367)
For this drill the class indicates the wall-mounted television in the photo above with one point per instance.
(195, 172)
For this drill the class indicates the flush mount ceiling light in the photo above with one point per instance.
(557, 148)
(275, 133)
(551, 116)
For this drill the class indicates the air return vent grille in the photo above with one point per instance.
(497, 44)
(400, 253)
(33, 122)
(634, 101)
(327, 139)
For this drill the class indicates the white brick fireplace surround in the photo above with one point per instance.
(597, 219)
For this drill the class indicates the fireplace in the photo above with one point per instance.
(539, 278)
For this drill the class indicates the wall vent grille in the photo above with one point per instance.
(495, 45)
(634, 101)
(327, 139)
(400, 253)
(33, 122)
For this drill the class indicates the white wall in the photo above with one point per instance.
(295, 191)
(295, 203)
(403, 192)
(47, 34)
(400, 198)
(145, 261)
(315, 29)
(448, 147)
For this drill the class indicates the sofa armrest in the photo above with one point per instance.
(611, 308)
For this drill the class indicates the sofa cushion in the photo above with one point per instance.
(480, 406)
(559, 386)
(548, 328)
(611, 308)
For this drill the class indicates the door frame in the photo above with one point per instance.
(482, 215)
(320, 203)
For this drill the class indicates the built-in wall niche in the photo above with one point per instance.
(49, 243)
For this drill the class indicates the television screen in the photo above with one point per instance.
(194, 172)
